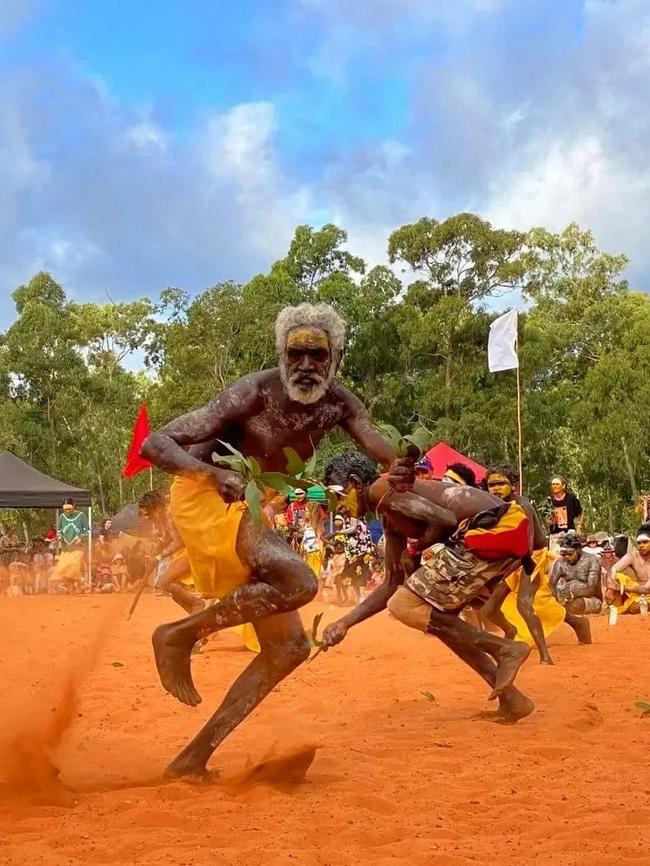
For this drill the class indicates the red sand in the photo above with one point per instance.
(396, 778)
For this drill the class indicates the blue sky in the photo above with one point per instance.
(160, 142)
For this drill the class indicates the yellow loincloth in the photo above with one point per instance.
(623, 601)
(68, 567)
(315, 561)
(208, 527)
(549, 611)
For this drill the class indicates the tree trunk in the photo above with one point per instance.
(101, 493)
(610, 515)
(630, 470)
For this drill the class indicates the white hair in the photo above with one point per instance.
(321, 316)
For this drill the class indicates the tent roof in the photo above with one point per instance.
(22, 486)
(441, 455)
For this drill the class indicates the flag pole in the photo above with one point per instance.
(519, 429)
(150, 478)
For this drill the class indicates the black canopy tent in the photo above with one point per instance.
(22, 486)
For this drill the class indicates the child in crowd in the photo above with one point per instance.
(119, 573)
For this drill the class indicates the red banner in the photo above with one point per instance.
(141, 429)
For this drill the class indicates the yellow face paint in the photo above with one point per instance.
(308, 338)
(644, 547)
(499, 485)
(451, 475)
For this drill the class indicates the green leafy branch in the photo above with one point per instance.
(313, 638)
(410, 445)
(299, 474)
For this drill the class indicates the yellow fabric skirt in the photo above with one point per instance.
(68, 566)
(549, 611)
(315, 561)
(623, 601)
(208, 527)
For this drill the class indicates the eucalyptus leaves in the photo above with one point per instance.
(420, 440)
(299, 474)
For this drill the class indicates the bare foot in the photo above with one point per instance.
(509, 660)
(183, 769)
(546, 660)
(172, 651)
(513, 706)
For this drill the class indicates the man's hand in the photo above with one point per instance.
(401, 474)
(334, 634)
(229, 484)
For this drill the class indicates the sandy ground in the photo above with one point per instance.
(398, 778)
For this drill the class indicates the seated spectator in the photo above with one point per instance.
(629, 578)
(575, 578)
(18, 576)
(119, 573)
(40, 565)
(105, 577)
(592, 545)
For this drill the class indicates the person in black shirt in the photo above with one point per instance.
(566, 511)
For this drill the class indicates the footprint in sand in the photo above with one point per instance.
(587, 717)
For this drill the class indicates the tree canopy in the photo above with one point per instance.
(73, 374)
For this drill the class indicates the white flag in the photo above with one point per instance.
(502, 343)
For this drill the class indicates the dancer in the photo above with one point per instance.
(173, 573)
(451, 574)
(256, 575)
(522, 606)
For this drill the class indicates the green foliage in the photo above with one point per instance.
(416, 356)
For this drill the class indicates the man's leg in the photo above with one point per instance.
(576, 619)
(508, 655)
(170, 582)
(282, 583)
(493, 613)
(283, 647)
(413, 611)
(513, 704)
(525, 600)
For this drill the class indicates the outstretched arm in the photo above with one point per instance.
(620, 565)
(359, 427)
(166, 448)
(411, 514)
(378, 599)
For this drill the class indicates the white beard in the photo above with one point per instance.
(299, 395)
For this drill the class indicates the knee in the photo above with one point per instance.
(525, 604)
(306, 587)
(294, 652)
(409, 609)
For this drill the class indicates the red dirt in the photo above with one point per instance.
(396, 778)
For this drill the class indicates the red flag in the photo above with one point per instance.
(141, 429)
